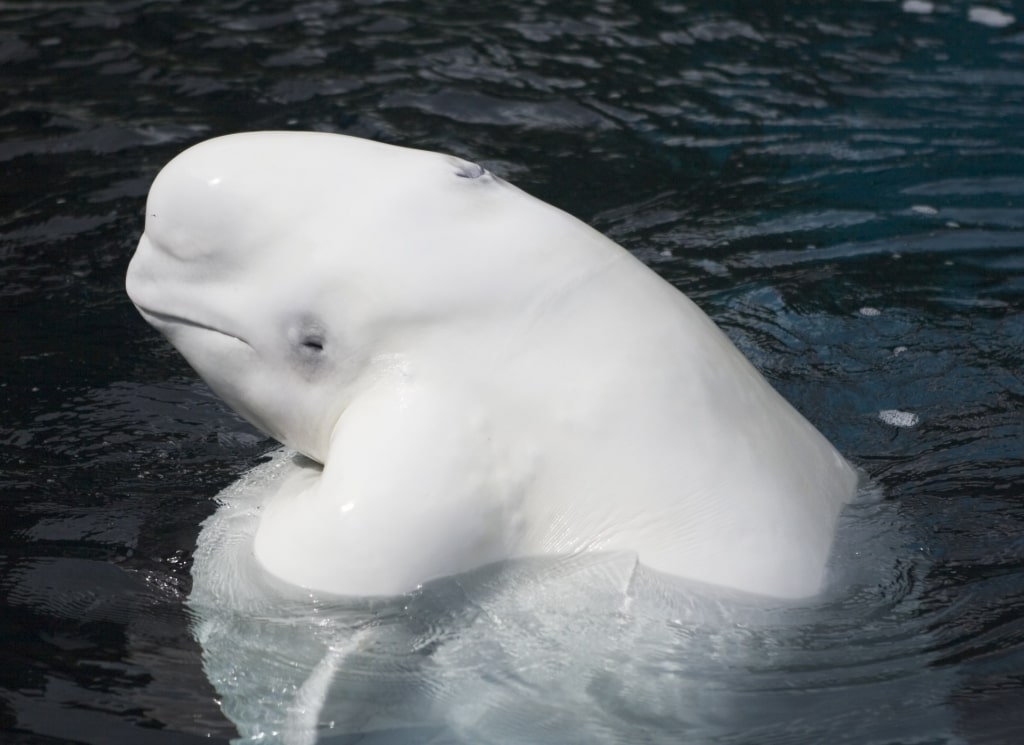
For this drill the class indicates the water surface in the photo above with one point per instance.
(839, 185)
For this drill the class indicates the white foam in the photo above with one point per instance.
(897, 418)
(918, 6)
(989, 17)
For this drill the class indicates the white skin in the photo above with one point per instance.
(481, 375)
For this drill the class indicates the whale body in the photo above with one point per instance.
(473, 374)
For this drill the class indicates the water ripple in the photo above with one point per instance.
(839, 185)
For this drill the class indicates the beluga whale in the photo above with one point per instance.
(473, 375)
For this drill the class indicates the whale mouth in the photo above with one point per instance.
(162, 320)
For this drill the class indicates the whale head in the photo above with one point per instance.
(290, 268)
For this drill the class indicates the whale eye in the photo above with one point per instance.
(314, 343)
(470, 170)
(307, 335)
(307, 351)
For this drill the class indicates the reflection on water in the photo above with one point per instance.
(838, 185)
(592, 648)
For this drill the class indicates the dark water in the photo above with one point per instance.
(840, 185)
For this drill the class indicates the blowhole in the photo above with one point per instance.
(470, 170)
(315, 344)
